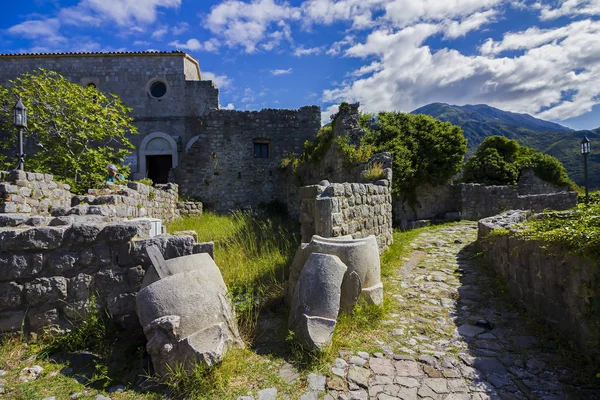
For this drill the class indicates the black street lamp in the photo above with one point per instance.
(585, 150)
(20, 121)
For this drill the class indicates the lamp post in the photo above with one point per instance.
(585, 150)
(20, 121)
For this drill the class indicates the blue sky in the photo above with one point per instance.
(540, 57)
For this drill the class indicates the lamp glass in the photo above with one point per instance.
(20, 115)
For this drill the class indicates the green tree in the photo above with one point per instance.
(75, 131)
(424, 150)
(500, 161)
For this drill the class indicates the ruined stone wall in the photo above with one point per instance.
(557, 287)
(48, 273)
(221, 169)
(357, 209)
(475, 201)
(479, 201)
(133, 200)
(189, 208)
(36, 194)
(32, 193)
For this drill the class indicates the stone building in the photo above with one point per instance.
(178, 118)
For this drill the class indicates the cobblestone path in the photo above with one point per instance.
(454, 339)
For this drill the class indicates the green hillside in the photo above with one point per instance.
(481, 121)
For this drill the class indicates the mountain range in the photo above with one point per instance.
(480, 121)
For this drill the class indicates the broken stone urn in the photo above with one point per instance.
(361, 257)
(327, 276)
(186, 313)
(316, 300)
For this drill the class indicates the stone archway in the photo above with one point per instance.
(157, 144)
(191, 143)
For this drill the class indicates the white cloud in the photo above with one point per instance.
(569, 8)
(229, 106)
(247, 24)
(303, 51)
(336, 47)
(46, 29)
(191, 44)
(222, 81)
(180, 28)
(277, 72)
(121, 12)
(160, 32)
(407, 74)
(211, 45)
(455, 29)
(141, 43)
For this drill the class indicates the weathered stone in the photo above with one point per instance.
(288, 373)
(61, 262)
(187, 318)
(407, 368)
(11, 321)
(316, 302)
(30, 373)
(359, 375)
(469, 330)
(336, 383)
(382, 366)
(46, 290)
(44, 238)
(10, 295)
(267, 394)
(316, 382)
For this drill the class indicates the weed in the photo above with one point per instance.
(374, 172)
(93, 333)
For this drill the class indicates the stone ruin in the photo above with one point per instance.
(329, 275)
(186, 312)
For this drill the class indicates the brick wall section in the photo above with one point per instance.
(32, 193)
(48, 273)
(555, 286)
(134, 200)
(357, 209)
(220, 169)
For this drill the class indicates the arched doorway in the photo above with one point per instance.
(158, 154)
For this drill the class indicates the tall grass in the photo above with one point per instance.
(252, 253)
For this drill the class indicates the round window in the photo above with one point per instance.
(158, 89)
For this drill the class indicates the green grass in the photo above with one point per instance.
(577, 232)
(252, 253)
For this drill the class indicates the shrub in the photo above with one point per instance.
(76, 131)
(500, 161)
(424, 150)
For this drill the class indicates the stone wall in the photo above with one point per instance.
(221, 169)
(557, 287)
(475, 201)
(480, 201)
(357, 209)
(48, 273)
(134, 200)
(189, 208)
(32, 193)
